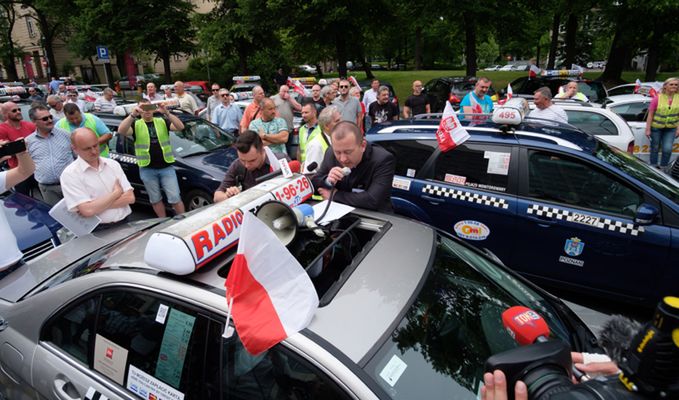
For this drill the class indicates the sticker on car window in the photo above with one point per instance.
(392, 372)
(411, 173)
(162, 313)
(399, 183)
(148, 387)
(109, 359)
(456, 179)
(174, 347)
(498, 163)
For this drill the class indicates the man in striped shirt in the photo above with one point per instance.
(50, 149)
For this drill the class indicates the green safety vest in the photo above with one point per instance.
(89, 123)
(666, 116)
(142, 141)
(304, 138)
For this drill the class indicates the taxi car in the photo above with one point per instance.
(552, 202)
(405, 311)
(594, 90)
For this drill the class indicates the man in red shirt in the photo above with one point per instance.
(14, 128)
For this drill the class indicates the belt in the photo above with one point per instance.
(50, 184)
(108, 225)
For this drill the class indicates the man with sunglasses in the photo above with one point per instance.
(14, 128)
(348, 105)
(50, 149)
(226, 115)
(212, 102)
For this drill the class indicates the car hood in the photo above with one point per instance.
(28, 219)
(214, 163)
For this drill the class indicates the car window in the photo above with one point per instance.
(475, 165)
(198, 136)
(592, 123)
(621, 90)
(563, 179)
(410, 154)
(135, 340)
(594, 91)
(632, 112)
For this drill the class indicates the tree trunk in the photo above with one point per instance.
(95, 74)
(554, 45)
(652, 56)
(48, 33)
(368, 71)
(120, 64)
(418, 47)
(166, 66)
(470, 42)
(242, 58)
(537, 55)
(616, 59)
(341, 47)
(10, 62)
(571, 33)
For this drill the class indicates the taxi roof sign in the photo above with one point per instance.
(562, 72)
(247, 78)
(512, 112)
(126, 109)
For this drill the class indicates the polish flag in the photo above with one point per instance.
(637, 86)
(354, 82)
(296, 86)
(652, 93)
(450, 133)
(270, 296)
(91, 96)
(533, 71)
(509, 95)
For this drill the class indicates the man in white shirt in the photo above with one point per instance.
(93, 185)
(545, 109)
(186, 102)
(105, 103)
(151, 93)
(10, 254)
(370, 95)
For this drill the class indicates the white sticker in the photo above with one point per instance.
(411, 173)
(498, 163)
(456, 179)
(285, 168)
(110, 359)
(472, 230)
(90, 393)
(148, 387)
(162, 313)
(392, 372)
(400, 183)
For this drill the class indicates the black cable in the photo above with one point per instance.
(327, 206)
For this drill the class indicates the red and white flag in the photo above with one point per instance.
(533, 71)
(91, 96)
(637, 86)
(270, 296)
(354, 82)
(450, 133)
(296, 86)
(510, 94)
(652, 92)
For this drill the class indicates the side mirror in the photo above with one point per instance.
(646, 214)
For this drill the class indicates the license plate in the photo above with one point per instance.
(584, 219)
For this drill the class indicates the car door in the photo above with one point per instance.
(576, 226)
(126, 343)
(469, 191)
(635, 114)
(609, 128)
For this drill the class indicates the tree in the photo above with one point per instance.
(8, 50)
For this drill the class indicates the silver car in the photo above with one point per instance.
(405, 312)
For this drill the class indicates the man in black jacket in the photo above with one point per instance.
(372, 170)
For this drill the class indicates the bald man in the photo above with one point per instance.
(252, 111)
(93, 185)
(14, 127)
(186, 101)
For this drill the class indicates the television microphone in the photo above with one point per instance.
(527, 327)
(345, 171)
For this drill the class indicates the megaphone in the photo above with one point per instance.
(284, 220)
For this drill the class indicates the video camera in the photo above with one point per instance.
(649, 366)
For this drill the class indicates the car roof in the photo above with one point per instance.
(623, 98)
(531, 131)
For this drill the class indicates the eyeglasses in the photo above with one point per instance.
(47, 118)
(224, 95)
(344, 87)
(215, 90)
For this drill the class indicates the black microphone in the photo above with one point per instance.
(345, 171)
(311, 167)
(294, 167)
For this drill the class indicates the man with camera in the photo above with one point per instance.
(10, 254)
(14, 128)
(154, 153)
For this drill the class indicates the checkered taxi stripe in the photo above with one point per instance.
(123, 158)
(483, 199)
(603, 223)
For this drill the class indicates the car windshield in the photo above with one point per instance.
(199, 137)
(453, 325)
(639, 170)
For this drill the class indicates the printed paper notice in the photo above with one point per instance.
(74, 222)
(336, 211)
(148, 387)
(411, 173)
(392, 372)
(399, 183)
(162, 313)
(110, 359)
(498, 163)
(174, 347)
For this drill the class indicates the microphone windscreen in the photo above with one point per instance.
(524, 324)
(346, 171)
(295, 166)
(616, 335)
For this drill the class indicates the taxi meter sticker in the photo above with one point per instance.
(109, 359)
(472, 230)
(174, 347)
(498, 162)
(148, 387)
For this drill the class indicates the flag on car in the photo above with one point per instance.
(296, 86)
(637, 86)
(271, 296)
(91, 96)
(533, 71)
(509, 95)
(652, 92)
(450, 133)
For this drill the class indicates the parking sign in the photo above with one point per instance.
(102, 53)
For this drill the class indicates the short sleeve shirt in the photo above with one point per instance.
(417, 104)
(382, 112)
(272, 127)
(350, 109)
(9, 133)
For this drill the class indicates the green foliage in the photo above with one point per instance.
(488, 52)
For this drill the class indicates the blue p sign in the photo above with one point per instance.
(102, 52)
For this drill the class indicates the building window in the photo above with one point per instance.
(30, 27)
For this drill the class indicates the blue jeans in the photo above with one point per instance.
(662, 139)
(155, 179)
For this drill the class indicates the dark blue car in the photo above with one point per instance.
(550, 201)
(202, 152)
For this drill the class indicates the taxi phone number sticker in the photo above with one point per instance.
(297, 191)
(584, 219)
